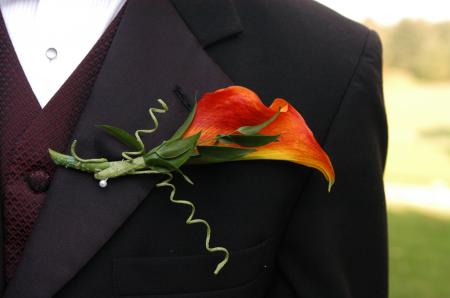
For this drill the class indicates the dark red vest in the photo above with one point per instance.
(26, 133)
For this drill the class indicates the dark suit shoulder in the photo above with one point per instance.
(296, 49)
(303, 25)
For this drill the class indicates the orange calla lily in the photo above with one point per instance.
(227, 124)
(225, 110)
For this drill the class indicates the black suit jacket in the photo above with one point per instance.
(287, 235)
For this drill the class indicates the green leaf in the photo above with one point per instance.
(219, 153)
(182, 129)
(122, 136)
(164, 166)
(177, 159)
(248, 140)
(174, 148)
(253, 130)
(155, 162)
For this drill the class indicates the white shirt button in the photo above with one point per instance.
(51, 53)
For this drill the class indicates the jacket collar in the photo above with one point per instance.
(210, 21)
(153, 52)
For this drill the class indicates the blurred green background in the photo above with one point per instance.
(416, 44)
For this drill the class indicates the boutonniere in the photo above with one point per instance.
(229, 124)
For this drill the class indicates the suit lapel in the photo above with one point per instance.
(152, 53)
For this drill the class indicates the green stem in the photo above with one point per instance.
(121, 168)
(101, 169)
(74, 163)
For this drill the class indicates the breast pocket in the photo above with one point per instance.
(192, 276)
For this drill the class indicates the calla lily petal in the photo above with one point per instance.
(225, 110)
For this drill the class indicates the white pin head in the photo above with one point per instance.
(103, 183)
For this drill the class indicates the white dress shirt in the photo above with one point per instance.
(51, 37)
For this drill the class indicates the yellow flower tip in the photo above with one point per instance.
(330, 185)
(279, 104)
(326, 168)
(330, 178)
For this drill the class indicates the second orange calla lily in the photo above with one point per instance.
(226, 111)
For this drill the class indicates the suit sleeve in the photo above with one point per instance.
(335, 244)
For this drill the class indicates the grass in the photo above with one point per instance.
(419, 154)
(419, 255)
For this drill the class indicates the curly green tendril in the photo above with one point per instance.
(191, 220)
(79, 159)
(152, 112)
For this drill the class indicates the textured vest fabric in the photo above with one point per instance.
(26, 133)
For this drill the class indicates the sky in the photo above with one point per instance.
(388, 12)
